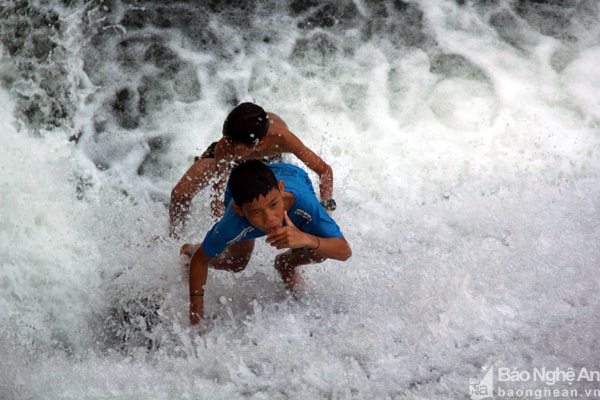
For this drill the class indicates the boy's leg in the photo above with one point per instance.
(287, 262)
(235, 257)
(193, 180)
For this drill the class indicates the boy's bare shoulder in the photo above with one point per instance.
(276, 120)
(277, 125)
(224, 150)
(278, 134)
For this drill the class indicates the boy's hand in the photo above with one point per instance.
(289, 237)
(197, 320)
(196, 309)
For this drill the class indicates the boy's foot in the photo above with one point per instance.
(188, 249)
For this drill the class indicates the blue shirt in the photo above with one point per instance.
(307, 214)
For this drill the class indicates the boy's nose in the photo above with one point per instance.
(272, 219)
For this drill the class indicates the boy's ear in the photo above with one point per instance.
(281, 186)
(237, 209)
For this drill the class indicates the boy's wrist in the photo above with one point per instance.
(196, 309)
(329, 204)
(318, 244)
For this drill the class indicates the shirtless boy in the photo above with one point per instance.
(248, 133)
(276, 200)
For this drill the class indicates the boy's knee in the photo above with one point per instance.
(239, 264)
(237, 268)
(283, 261)
(296, 257)
(231, 264)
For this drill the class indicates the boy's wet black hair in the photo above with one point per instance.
(247, 123)
(250, 180)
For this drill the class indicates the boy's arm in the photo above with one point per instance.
(334, 248)
(222, 160)
(290, 237)
(292, 144)
(194, 179)
(198, 274)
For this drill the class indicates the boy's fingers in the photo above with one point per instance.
(288, 221)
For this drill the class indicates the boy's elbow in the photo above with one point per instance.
(346, 253)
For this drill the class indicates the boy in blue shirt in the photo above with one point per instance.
(276, 200)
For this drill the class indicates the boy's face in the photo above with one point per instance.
(265, 212)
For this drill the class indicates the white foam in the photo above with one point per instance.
(472, 206)
(582, 81)
(48, 260)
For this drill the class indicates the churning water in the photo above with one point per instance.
(465, 142)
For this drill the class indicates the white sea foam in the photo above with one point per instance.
(467, 173)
